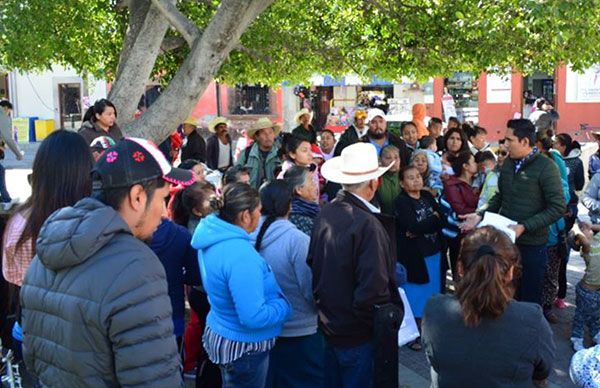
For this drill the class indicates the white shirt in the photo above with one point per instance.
(368, 204)
(224, 151)
(362, 132)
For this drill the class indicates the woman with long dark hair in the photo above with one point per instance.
(100, 120)
(247, 307)
(297, 358)
(61, 176)
(461, 195)
(481, 337)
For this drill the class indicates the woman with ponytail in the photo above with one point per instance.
(297, 358)
(247, 307)
(481, 337)
(100, 120)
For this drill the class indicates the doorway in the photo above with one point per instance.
(69, 97)
(537, 85)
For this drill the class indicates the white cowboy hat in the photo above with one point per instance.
(301, 113)
(263, 123)
(357, 163)
(374, 112)
(216, 121)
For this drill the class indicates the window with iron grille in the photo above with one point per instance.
(249, 100)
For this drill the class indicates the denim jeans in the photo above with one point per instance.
(587, 312)
(349, 367)
(297, 362)
(249, 371)
(533, 261)
(4, 195)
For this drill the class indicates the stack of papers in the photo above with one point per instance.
(499, 222)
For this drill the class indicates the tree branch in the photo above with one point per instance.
(179, 21)
(171, 43)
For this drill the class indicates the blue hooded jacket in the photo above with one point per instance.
(246, 303)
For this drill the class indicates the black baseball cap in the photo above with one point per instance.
(132, 161)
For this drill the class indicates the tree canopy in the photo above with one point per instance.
(273, 41)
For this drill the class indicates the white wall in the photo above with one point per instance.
(36, 94)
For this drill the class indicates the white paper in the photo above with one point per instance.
(499, 222)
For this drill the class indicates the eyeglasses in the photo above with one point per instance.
(502, 153)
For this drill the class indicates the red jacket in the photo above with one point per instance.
(461, 196)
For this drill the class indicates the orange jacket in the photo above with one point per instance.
(419, 111)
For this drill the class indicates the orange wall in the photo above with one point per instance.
(573, 114)
(493, 117)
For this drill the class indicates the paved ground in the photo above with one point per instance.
(414, 368)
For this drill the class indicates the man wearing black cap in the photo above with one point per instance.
(96, 311)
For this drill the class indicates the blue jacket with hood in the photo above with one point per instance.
(246, 303)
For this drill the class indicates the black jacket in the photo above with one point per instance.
(349, 137)
(398, 143)
(195, 148)
(309, 135)
(413, 250)
(352, 257)
(212, 152)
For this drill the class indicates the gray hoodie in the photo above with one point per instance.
(6, 133)
(285, 249)
(96, 312)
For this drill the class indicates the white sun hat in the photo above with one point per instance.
(357, 163)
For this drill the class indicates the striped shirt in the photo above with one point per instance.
(223, 351)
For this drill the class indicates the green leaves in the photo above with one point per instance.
(293, 40)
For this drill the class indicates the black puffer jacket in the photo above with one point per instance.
(96, 312)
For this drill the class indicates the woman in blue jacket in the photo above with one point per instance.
(247, 307)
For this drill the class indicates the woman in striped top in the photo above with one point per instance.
(247, 307)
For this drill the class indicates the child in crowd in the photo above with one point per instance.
(410, 135)
(390, 184)
(434, 160)
(99, 145)
(488, 177)
(587, 292)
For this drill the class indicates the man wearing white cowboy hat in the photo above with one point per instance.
(219, 154)
(379, 136)
(261, 157)
(305, 130)
(194, 146)
(352, 256)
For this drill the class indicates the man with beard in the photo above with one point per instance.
(380, 137)
(219, 154)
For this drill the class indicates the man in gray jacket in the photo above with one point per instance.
(6, 139)
(95, 307)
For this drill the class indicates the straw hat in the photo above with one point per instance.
(301, 113)
(357, 163)
(263, 123)
(216, 121)
(191, 121)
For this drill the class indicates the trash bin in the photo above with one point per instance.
(43, 128)
(32, 128)
(21, 128)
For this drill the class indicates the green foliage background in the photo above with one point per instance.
(293, 40)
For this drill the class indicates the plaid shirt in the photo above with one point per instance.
(519, 163)
(15, 262)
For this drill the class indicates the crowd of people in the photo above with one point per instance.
(292, 262)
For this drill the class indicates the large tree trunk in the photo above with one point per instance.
(206, 57)
(145, 33)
